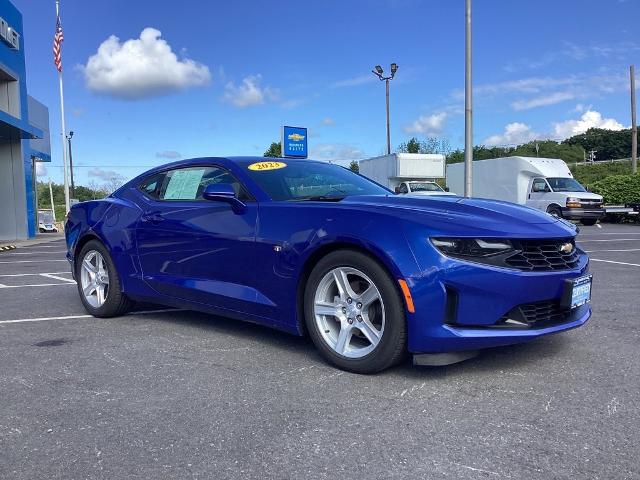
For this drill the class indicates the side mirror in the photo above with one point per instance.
(224, 192)
(446, 189)
(397, 189)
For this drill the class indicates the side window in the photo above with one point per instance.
(403, 188)
(539, 185)
(151, 185)
(188, 184)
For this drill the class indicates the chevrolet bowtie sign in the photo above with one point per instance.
(294, 142)
(9, 35)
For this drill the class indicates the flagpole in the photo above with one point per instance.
(64, 133)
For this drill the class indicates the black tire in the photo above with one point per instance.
(392, 345)
(555, 211)
(116, 302)
(589, 222)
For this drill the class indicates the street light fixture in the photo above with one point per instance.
(379, 72)
(69, 137)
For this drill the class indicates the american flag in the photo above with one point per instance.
(58, 38)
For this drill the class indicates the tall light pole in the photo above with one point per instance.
(634, 124)
(379, 72)
(69, 137)
(468, 103)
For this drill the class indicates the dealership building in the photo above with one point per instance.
(24, 133)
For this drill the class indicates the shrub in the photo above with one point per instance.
(618, 189)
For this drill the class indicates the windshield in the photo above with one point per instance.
(565, 185)
(300, 180)
(45, 217)
(425, 187)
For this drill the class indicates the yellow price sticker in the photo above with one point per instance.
(261, 166)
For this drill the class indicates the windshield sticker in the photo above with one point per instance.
(260, 166)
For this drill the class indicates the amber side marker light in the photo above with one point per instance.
(407, 295)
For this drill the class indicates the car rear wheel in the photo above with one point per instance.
(354, 313)
(98, 282)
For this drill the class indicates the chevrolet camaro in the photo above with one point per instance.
(312, 248)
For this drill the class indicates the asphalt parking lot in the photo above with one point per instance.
(177, 394)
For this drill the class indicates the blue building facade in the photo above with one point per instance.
(24, 132)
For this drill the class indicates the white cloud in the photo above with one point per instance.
(354, 81)
(105, 175)
(41, 169)
(248, 93)
(141, 68)
(170, 154)
(589, 119)
(514, 134)
(429, 125)
(543, 100)
(328, 121)
(341, 153)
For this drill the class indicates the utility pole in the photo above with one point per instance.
(378, 72)
(468, 102)
(69, 137)
(634, 124)
(53, 207)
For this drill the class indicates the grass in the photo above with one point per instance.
(588, 173)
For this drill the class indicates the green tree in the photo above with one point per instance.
(430, 145)
(274, 150)
(354, 166)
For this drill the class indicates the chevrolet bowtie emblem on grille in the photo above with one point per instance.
(566, 248)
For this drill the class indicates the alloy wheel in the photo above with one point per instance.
(349, 312)
(94, 278)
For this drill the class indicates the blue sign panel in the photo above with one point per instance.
(294, 142)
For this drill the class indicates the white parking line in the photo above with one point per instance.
(615, 250)
(39, 245)
(55, 277)
(612, 261)
(35, 261)
(36, 285)
(31, 274)
(72, 317)
(611, 240)
(36, 253)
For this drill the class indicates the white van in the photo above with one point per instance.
(543, 183)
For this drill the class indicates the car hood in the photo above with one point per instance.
(450, 215)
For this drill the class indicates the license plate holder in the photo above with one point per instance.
(577, 292)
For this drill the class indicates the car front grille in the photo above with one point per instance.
(543, 255)
(535, 315)
(590, 203)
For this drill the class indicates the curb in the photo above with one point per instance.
(7, 247)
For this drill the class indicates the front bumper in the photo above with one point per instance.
(459, 305)
(580, 213)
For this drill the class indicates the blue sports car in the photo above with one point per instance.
(310, 247)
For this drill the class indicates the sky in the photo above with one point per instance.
(148, 82)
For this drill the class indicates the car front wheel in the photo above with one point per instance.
(98, 282)
(354, 313)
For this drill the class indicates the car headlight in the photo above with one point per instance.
(472, 248)
(573, 202)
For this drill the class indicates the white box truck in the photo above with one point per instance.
(407, 173)
(543, 183)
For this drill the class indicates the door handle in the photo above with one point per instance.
(154, 218)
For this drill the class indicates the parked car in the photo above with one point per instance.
(310, 247)
(543, 183)
(421, 188)
(46, 223)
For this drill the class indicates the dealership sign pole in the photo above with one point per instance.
(57, 60)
